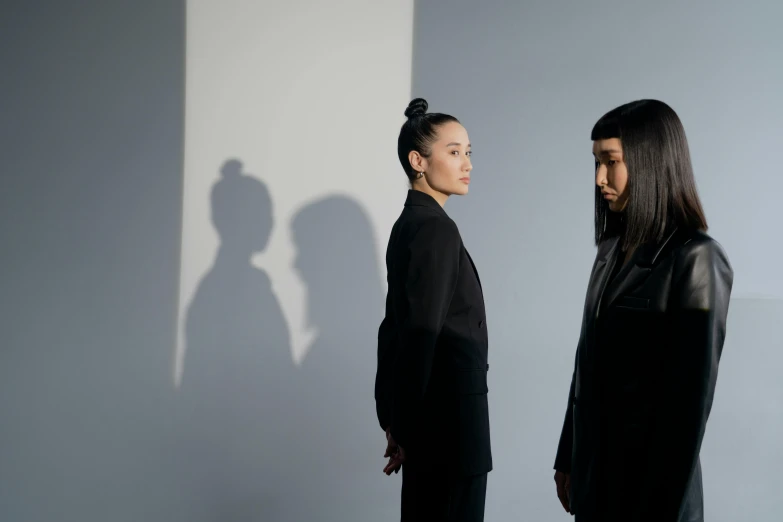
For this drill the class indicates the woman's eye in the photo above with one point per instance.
(469, 153)
(611, 162)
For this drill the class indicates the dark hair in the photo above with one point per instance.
(663, 193)
(419, 132)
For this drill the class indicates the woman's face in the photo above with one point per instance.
(611, 172)
(447, 170)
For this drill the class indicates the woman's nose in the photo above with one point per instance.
(600, 176)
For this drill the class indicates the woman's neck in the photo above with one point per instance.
(440, 197)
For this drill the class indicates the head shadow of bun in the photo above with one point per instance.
(238, 379)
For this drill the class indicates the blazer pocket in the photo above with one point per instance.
(633, 303)
(474, 453)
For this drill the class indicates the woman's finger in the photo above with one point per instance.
(561, 495)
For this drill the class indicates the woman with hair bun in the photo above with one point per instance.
(431, 381)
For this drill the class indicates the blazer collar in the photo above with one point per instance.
(648, 255)
(638, 267)
(416, 198)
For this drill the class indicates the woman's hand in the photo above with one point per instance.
(395, 454)
(563, 483)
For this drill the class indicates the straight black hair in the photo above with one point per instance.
(419, 132)
(663, 193)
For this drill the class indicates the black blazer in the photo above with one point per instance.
(644, 377)
(431, 381)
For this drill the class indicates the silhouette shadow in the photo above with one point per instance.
(238, 370)
(337, 260)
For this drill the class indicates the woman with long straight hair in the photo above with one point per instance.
(652, 331)
(431, 381)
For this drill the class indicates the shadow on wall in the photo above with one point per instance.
(337, 261)
(238, 373)
(261, 439)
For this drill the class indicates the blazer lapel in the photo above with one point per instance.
(604, 264)
(636, 270)
(474, 269)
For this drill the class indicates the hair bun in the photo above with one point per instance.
(417, 107)
(231, 169)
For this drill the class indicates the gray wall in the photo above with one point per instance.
(91, 428)
(91, 173)
(528, 80)
(90, 216)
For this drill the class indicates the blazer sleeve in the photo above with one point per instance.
(386, 354)
(698, 306)
(565, 447)
(432, 273)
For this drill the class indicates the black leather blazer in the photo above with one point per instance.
(431, 381)
(644, 378)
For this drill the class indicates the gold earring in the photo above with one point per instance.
(421, 175)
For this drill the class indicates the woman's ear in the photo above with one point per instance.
(417, 161)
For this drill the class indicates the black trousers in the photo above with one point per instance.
(432, 496)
